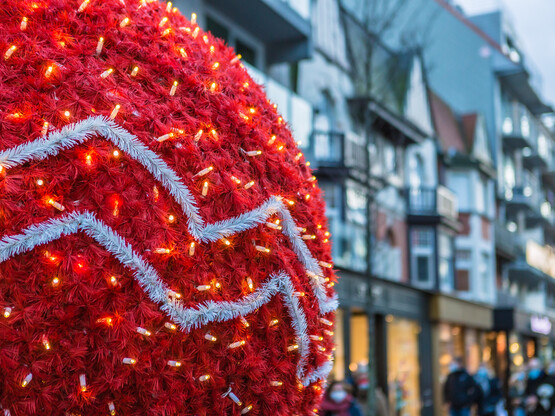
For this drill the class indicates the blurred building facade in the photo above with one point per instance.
(425, 130)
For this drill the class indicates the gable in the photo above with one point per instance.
(417, 108)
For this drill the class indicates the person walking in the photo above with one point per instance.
(490, 392)
(539, 396)
(460, 391)
(517, 387)
(338, 402)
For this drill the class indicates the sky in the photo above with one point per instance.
(533, 21)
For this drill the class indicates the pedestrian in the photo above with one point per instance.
(539, 396)
(338, 402)
(460, 391)
(517, 387)
(490, 392)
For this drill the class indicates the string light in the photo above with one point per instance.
(212, 50)
(124, 22)
(205, 188)
(237, 181)
(173, 363)
(112, 408)
(143, 331)
(44, 130)
(168, 7)
(245, 322)
(325, 264)
(129, 361)
(170, 326)
(237, 344)
(165, 137)
(298, 294)
(83, 5)
(48, 71)
(45, 343)
(210, 337)
(274, 226)
(309, 237)
(135, 71)
(322, 349)
(262, 249)
(252, 153)
(198, 135)
(326, 322)
(204, 377)
(205, 39)
(27, 380)
(246, 84)
(193, 18)
(299, 155)
(213, 87)
(292, 347)
(202, 288)
(246, 409)
(173, 88)
(274, 322)
(166, 32)
(203, 172)
(113, 280)
(115, 111)
(163, 21)
(232, 396)
(162, 250)
(7, 312)
(55, 281)
(9, 52)
(272, 140)
(226, 241)
(56, 205)
(328, 332)
(99, 45)
(171, 218)
(192, 249)
(250, 284)
(106, 73)
(183, 53)
(276, 383)
(40, 182)
(23, 24)
(107, 320)
(316, 338)
(83, 382)
(249, 185)
(236, 59)
(214, 134)
(195, 32)
(115, 153)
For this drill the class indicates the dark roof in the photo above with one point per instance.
(469, 129)
(446, 125)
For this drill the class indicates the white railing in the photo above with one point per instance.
(447, 203)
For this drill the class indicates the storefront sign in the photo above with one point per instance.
(540, 325)
(541, 257)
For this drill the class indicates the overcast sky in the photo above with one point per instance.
(534, 22)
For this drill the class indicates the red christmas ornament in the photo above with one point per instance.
(163, 247)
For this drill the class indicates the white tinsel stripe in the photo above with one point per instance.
(147, 277)
(75, 134)
(320, 373)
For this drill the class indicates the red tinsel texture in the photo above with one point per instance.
(88, 317)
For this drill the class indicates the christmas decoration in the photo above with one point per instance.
(163, 245)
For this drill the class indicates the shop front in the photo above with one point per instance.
(459, 329)
(402, 355)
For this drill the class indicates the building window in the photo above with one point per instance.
(422, 256)
(484, 269)
(416, 172)
(217, 29)
(445, 254)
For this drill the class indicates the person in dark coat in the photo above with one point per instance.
(460, 391)
(490, 392)
(539, 396)
(338, 402)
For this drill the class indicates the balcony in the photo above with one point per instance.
(549, 178)
(349, 247)
(432, 205)
(387, 262)
(295, 110)
(507, 243)
(337, 153)
(282, 25)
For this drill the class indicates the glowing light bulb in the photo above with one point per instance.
(237, 181)
(253, 153)
(237, 344)
(106, 73)
(45, 343)
(113, 280)
(236, 59)
(173, 88)
(40, 182)
(170, 326)
(192, 249)
(23, 24)
(210, 337)
(193, 18)
(48, 71)
(83, 382)
(173, 363)
(205, 188)
(292, 347)
(162, 250)
(55, 281)
(7, 312)
(115, 111)
(67, 114)
(203, 288)
(171, 218)
(112, 408)
(56, 205)
(245, 322)
(298, 294)
(325, 264)
(167, 31)
(249, 185)
(250, 284)
(135, 71)
(124, 22)
(163, 21)
(216, 64)
(99, 45)
(27, 380)
(168, 7)
(213, 87)
(262, 249)
(275, 226)
(115, 153)
(9, 52)
(44, 130)
(309, 237)
(83, 5)
(204, 377)
(276, 383)
(164, 137)
(246, 84)
(312, 179)
(183, 53)
(281, 147)
(195, 32)
(226, 241)
(246, 409)
(316, 338)
(129, 361)
(272, 139)
(212, 50)
(326, 322)
(204, 171)
(274, 322)
(143, 331)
